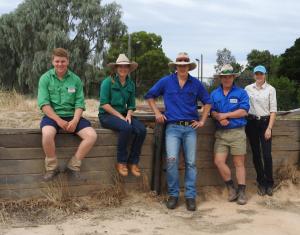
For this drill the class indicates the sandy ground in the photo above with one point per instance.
(142, 214)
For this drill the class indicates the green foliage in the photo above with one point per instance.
(286, 91)
(290, 64)
(146, 50)
(224, 56)
(29, 34)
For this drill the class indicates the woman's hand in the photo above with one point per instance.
(128, 118)
(268, 134)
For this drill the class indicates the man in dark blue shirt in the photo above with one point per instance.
(230, 105)
(180, 92)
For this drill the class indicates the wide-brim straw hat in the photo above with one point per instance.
(123, 60)
(182, 59)
(226, 70)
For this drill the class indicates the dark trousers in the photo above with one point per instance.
(135, 131)
(261, 150)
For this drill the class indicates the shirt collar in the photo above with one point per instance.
(263, 85)
(53, 73)
(174, 75)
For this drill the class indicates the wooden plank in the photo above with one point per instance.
(63, 152)
(75, 191)
(29, 181)
(36, 166)
(14, 131)
(62, 140)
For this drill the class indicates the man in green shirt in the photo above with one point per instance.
(60, 97)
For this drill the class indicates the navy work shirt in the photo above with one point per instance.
(237, 98)
(180, 103)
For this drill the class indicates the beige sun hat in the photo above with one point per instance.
(123, 60)
(227, 69)
(182, 59)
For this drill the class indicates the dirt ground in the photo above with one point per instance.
(143, 213)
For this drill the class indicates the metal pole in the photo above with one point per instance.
(201, 67)
(129, 46)
(198, 68)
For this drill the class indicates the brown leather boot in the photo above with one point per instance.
(122, 169)
(135, 170)
(49, 175)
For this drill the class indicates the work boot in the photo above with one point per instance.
(269, 191)
(52, 170)
(232, 194)
(73, 169)
(135, 170)
(49, 175)
(190, 204)
(261, 190)
(172, 202)
(241, 199)
(122, 169)
(76, 175)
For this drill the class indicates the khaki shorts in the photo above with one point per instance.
(231, 140)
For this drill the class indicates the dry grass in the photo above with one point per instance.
(57, 204)
(287, 174)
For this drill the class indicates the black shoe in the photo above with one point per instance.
(261, 190)
(242, 199)
(190, 204)
(232, 193)
(172, 202)
(269, 191)
(50, 175)
(76, 175)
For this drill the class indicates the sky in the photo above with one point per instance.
(204, 26)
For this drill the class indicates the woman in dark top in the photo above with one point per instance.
(117, 103)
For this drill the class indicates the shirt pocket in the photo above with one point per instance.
(128, 93)
(190, 97)
(234, 103)
(171, 95)
(69, 94)
(54, 94)
(116, 97)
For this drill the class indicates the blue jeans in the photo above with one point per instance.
(175, 137)
(135, 131)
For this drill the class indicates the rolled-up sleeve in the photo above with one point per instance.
(203, 95)
(244, 101)
(43, 93)
(157, 90)
(131, 100)
(273, 100)
(79, 101)
(105, 92)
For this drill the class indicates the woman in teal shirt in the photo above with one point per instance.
(117, 103)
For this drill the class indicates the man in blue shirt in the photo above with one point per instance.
(180, 92)
(230, 105)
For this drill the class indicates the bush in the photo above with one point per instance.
(287, 93)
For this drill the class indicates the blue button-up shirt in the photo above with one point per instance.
(237, 98)
(180, 103)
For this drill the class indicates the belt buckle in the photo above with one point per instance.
(258, 118)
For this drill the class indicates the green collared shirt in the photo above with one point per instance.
(64, 95)
(121, 98)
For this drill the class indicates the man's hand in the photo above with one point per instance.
(224, 122)
(72, 125)
(221, 116)
(62, 124)
(160, 118)
(197, 124)
(128, 118)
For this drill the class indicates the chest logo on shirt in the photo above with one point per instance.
(71, 89)
(233, 101)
